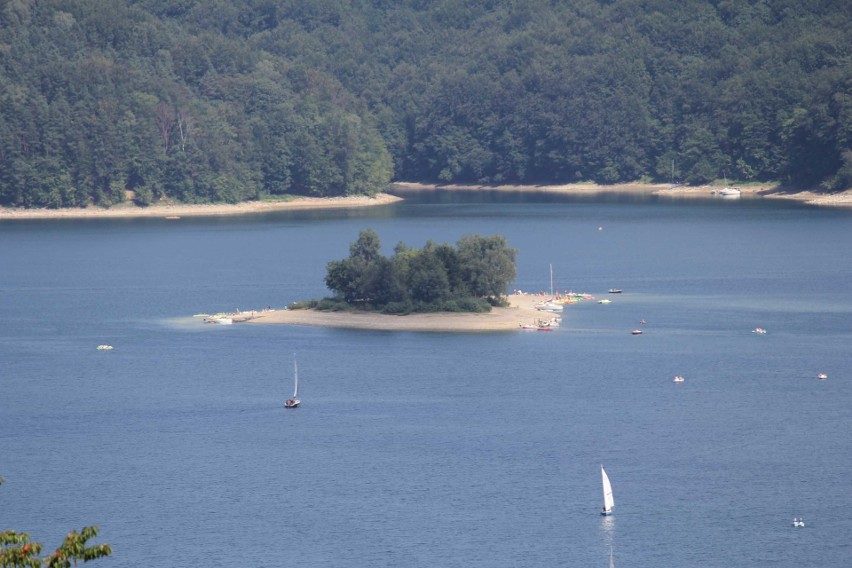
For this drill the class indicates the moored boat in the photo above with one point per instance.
(537, 327)
(549, 306)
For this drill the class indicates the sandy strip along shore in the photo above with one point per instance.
(175, 211)
(838, 199)
(206, 210)
(520, 311)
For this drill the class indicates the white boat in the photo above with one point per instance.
(730, 192)
(294, 402)
(223, 321)
(550, 305)
(604, 301)
(798, 523)
(104, 347)
(679, 379)
(822, 376)
(609, 502)
(534, 327)
(759, 331)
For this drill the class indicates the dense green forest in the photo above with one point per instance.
(470, 277)
(227, 100)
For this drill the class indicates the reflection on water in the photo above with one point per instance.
(607, 528)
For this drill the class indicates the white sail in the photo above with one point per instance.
(295, 379)
(609, 502)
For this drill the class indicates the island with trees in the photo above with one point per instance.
(439, 287)
(472, 276)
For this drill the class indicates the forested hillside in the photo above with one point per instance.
(226, 100)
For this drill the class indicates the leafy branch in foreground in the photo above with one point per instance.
(16, 550)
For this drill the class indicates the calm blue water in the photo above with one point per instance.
(451, 450)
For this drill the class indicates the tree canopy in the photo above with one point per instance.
(231, 100)
(469, 277)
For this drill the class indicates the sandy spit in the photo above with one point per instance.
(172, 211)
(520, 312)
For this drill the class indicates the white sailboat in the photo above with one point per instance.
(729, 191)
(550, 305)
(609, 502)
(294, 402)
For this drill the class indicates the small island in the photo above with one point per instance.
(437, 288)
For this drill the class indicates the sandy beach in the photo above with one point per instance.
(176, 211)
(521, 311)
(769, 191)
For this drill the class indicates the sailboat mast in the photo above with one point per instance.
(551, 280)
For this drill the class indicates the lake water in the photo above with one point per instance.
(435, 449)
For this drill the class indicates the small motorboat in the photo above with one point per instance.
(642, 322)
(822, 376)
(759, 331)
(798, 522)
(604, 301)
(615, 290)
(678, 379)
(636, 332)
(104, 347)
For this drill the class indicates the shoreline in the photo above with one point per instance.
(176, 211)
(765, 191)
(520, 312)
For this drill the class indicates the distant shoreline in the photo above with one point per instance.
(768, 191)
(178, 210)
(175, 211)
